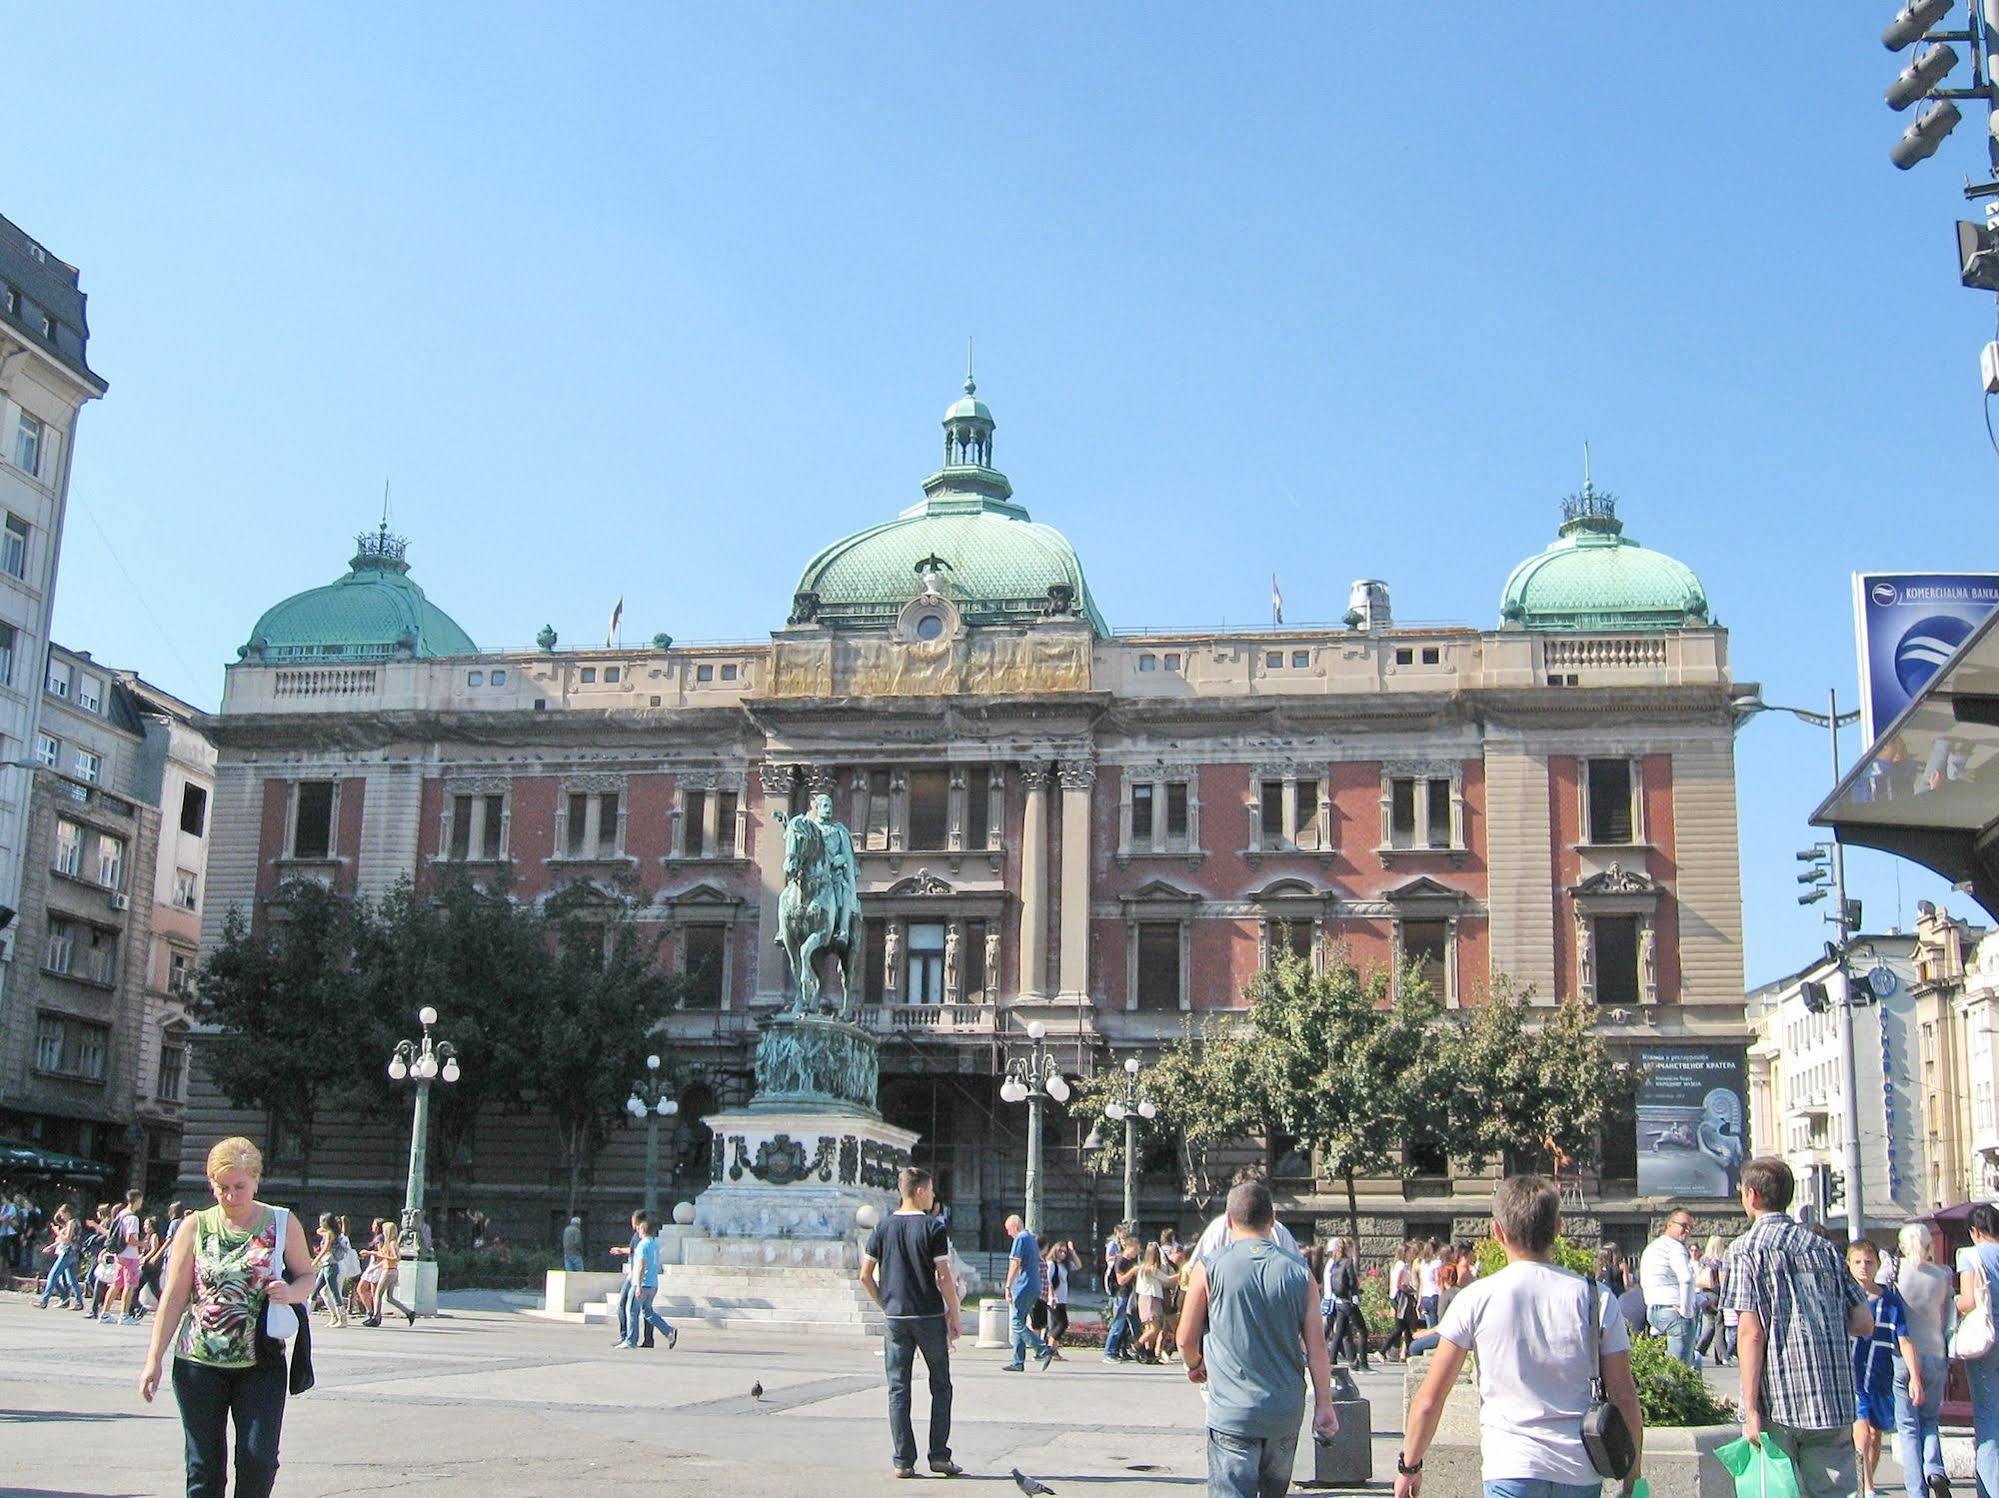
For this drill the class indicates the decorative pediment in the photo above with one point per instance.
(1289, 889)
(1159, 894)
(1423, 890)
(1616, 880)
(921, 883)
(701, 897)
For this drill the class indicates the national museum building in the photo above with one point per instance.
(1106, 831)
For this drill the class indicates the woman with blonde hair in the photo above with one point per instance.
(387, 1257)
(1925, 1287)
(1151, 1304)
(222, 1270)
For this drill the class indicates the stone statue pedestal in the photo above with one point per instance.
(782, 1175)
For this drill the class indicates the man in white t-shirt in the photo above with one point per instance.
(1529, 1324)
(1429, 1283)
(1215, 1237)
(1666, 1273)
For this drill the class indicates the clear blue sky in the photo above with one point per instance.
(653, 302)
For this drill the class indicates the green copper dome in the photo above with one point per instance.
(1596, 577)
(992, 561)
(374, 612)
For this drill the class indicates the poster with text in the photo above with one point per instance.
(1692, 1120)
(1908, 624)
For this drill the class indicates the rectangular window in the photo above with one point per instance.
(28, 445)
(48, 750)
(187, 889)
(874, 977)
(499, 679)
(926, 963)
(1294, 937)
(1433, 655)
(692, 817)
(110, 861)
(978, 807)
(475, 827)
(58, 681)
(89, 765)
(1405, 655)
(607, 825)
(1426, 1158)
(1616, 960)
(974, 980)
(180, 973)
(729, 673)
(71, 1047)
(587, 676)
(929, 808)
(7, 639)
(1426, 948)
(1271, 810)
(193, 810)
(69, 849)
(1273, 660)
(1172, 660)
(1176, 810)
(89, 693)
(173, 1063)
(1141, 813)
(1159, 965)
(725, 824)
(1300, 659)
(59, 952)
(312, 819)
(877, 809)
(1438, 816)
(1148, 662)
(579, 825)
(1402, 814)
(704, 673)
(1610, 819)
(706, 951)
(612, 674)
(1306, 833)
(14, 547)
(100, 955)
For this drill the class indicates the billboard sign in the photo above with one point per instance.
(1692, 1119)
(1908, 624)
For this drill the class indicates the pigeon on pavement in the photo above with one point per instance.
(757, 1389)
(1028, 1485)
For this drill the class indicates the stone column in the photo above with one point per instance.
(772, 974)
(1034, 883)
(1077, 778)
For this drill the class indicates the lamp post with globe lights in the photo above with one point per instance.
(650, 1102)
(1131, 1104)
(422, 1062)
(1034, 1079)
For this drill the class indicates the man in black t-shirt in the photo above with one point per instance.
(906, 1268)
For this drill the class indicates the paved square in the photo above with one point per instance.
(485, 1402)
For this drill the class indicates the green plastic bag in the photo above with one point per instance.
(1760, 1471)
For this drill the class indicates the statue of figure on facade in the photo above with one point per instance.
(1648, 965)
(819, 910)
(951, 964)
(992, 958)
(891, 951)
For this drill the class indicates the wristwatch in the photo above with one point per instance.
(1407, 1469)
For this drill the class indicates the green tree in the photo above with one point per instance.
(602, 995)
(281, 1001)
(480, 960)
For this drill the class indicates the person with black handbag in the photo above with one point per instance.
(1558, 1408)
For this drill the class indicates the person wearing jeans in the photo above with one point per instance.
(1919, 1381)
(62, 1271)
(1666, 1273)
(1023, 1289)
(645, 1286)
(906, 1270)
(1120, 1282)
(1978, 1278)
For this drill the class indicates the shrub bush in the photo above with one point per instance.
(1670, 1393)
(1492, 1258)
(492, 1269)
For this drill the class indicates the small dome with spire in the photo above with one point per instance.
(373, 612)
(1596, 577)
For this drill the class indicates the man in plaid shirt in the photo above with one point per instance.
(1796, 1307)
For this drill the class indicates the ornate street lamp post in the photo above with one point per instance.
(650, 1102)
(1130, 1104)
(1034, 1079)
(420, 1061)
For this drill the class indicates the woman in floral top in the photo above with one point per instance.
(223, 1266)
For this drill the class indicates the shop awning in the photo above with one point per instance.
(20, 1160)
(1928, 788)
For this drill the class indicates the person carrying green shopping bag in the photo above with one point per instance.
(1760, 1471)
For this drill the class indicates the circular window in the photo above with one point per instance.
(929, 627)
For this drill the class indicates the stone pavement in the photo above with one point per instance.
(484, 1401)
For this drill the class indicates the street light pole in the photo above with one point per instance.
(650, 1102)
(1131, 1105)
(1849, 1062)
(420, 1061)
(1034, 1079)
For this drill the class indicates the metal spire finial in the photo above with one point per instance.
(1588, 487)
(971, 385)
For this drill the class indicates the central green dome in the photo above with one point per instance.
(374, 612)
(992, 561)
(1596, 577)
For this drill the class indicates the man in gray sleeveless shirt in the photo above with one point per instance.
(1249, 1330)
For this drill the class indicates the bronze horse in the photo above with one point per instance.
(808, 915)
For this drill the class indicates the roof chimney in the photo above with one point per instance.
(1367, 606)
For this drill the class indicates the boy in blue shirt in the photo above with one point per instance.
(1874, 1361)
(645, 1283)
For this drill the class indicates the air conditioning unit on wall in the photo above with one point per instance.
(120, 902)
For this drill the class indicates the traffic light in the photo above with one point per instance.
(1977, 256)
(1925, 72)
(1835, 1188)
(1818, 1000)
(1818, 875)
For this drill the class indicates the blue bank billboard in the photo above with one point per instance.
(1908, 624)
